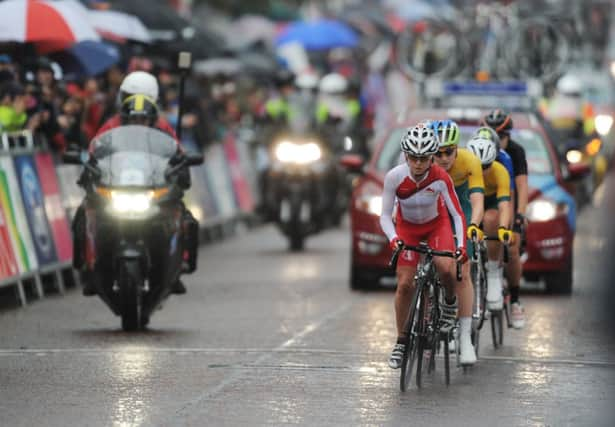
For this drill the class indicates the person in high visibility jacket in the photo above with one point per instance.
(566, 111)
(574, 119)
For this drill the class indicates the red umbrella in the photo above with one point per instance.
(50, 25)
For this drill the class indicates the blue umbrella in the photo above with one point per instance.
(87, 58)
(319, 35)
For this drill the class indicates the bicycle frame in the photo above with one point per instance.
(422, 328)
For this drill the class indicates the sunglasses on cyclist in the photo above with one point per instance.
(418, 159)
(448, 151)
(485, 167)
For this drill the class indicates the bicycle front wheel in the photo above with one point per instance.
(424, 341)
(412, 337)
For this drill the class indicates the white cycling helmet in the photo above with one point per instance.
(483, 148)
(419, 141)
(307, 81)
(333, 83)
(569, 84)
(138, 83)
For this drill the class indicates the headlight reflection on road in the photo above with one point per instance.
(375, 327)
(541, 338)
(300, 269)
(131, 370)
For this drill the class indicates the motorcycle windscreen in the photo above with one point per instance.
(133, 156)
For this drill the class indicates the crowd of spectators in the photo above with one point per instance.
(35, 96)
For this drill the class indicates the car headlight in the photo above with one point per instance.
(543, 209)
(603, 123)
(288, 152)
(574, 156)
(370, 204)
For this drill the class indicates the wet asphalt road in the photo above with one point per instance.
(266, 337)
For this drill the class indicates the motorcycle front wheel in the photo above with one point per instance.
(130, 279)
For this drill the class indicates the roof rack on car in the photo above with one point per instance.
(513, 95)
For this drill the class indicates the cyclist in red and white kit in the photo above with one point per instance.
(421, 195)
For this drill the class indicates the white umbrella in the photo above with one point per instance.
(213, 66)
(249, 29)
(118, 25)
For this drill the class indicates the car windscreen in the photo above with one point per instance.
(390, 156)
(536, 152)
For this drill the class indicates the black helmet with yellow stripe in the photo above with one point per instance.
(139, 110)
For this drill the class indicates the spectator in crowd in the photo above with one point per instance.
(13, 116)
(7, 69)
(71, 116)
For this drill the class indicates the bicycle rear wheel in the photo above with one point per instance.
(497, 328)
(412, 337)
(447, 366)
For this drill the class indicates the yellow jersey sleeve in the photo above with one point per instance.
(502, 181)
(467, 168)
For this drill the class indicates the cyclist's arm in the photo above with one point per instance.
(520, 163)
(476, 187)
(388, 201)
(454, 209)
(503, 194)
(522, 193)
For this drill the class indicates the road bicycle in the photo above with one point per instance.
(422, 328)
(479, 281)
(506, 41)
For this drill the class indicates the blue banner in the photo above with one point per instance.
(34, 205)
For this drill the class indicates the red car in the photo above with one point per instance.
(551, 209)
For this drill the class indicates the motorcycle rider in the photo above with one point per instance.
(138, 109)
(337, 113)
(143, 83)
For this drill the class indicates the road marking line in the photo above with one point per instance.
(282, 348)
(240, 372)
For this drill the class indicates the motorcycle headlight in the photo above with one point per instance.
(125, 202)
(543, 209)
(132, 204)
(289, 152)
(603, 123)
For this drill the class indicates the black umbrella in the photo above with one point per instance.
(171, 32)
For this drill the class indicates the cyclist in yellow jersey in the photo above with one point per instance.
(466, 172)
(497, 217)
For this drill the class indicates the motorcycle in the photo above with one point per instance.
(134, 179)
(302, 182)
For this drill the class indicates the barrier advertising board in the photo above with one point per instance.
(72, 194)
(197, 198)
(23, 248)
(8, 263)
(34, 204)
(241, 188)
(56, 214)
(220, 181)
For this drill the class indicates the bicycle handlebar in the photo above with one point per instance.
(424, 249)
(505, 256)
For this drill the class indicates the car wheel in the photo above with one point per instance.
(560, 282)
